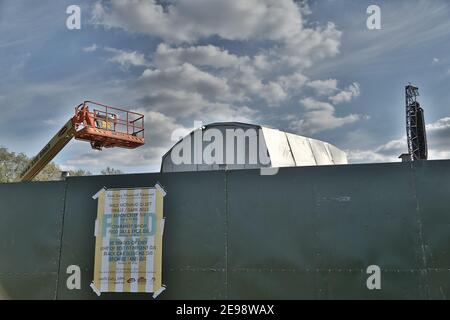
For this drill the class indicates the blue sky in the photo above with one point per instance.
(312, 69)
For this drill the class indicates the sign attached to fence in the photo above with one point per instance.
(128, 246)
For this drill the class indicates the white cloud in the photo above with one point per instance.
(209, 55)
(190, 105)
(261, 62)
(246, 84)
(175, 102)
(438, 135)
(269, 74)
(320, 116)
(273, 93)
(189, 21)
(393, 147)
(437, 154)
(347, 95)
(122, 57)
(280, 21)
(187, 78)
(324, 87)
(91, 48)
(307, 46)
(127, 58)
(238, 74)
(442, 125)
(388, 152)
(438, 138)
(368, 156)
(293, 81)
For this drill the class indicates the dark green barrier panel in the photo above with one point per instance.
(270, 235)
(193, 240)
(433, 194)
(312, 232)
(365, 215)
(306, 232)
(30, 232)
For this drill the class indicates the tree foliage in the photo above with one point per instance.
(12, 165)
(110, 171)
(79, 173)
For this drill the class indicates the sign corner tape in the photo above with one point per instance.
(161, 189)
(99, 192)
(94, 288)
(158, 292)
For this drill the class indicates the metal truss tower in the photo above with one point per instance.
(415, 125)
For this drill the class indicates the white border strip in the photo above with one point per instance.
(99, 192)
(161, 189)
(94, 288)
(158, 292)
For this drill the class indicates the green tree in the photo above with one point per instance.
(110, 171)
(79, 173)
(12, 165)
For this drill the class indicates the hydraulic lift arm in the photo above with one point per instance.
(102, 127)
(55, 145)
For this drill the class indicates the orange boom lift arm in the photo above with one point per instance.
(103, 127)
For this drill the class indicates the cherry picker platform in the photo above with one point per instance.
(102, 126)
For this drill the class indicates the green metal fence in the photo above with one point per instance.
(305, 233)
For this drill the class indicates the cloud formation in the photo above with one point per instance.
(324, 87)
(352, 91)
(320, 116)
(438, 139)
(188, 78)
(190, 21)
(91, 48)
(204, 56)
(127, 58)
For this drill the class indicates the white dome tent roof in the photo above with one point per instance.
(284, 149)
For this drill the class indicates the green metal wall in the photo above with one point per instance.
(305, 233)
